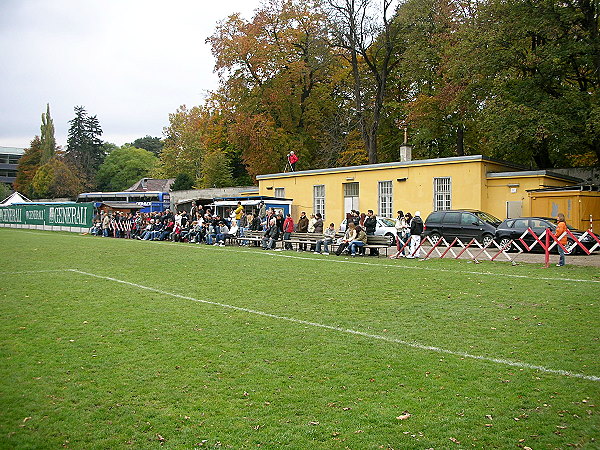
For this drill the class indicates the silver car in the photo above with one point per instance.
(385, 227)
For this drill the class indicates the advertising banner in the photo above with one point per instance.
(49, 214)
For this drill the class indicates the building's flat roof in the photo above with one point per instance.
(416, 162)
(12, 150)
(533, 173)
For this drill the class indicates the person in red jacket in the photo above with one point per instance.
(561, 228)
(292, 159)
(288, 229)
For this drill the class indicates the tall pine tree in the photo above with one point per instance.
(84, 146)
(47, 138)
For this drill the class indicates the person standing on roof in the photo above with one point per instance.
(292, 159)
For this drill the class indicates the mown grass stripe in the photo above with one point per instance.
(416, 345)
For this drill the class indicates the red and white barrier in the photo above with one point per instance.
(547, 240)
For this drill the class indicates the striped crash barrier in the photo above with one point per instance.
(473, 249)
(548, 240)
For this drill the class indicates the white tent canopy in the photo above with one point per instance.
(15, 197)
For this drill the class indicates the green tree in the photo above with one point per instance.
(152, 144)
(28, 166)
(183, 149)
(182, 182)
(123, 167)
(84, 146)
(47, 138)
(533, 67)
(216, 171)
(57, 179)
(5, 191)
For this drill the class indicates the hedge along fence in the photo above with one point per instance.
(74, 217)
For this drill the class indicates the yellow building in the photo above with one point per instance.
(579, 204)
(466, 182)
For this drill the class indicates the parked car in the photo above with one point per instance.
(515, 227)
(385, 227)
(463, 224)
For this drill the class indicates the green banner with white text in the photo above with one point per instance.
(49, 214)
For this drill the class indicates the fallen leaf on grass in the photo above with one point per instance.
(160, 438)
(404, 416)
(313, 423)
(456, 441)
(26, 419)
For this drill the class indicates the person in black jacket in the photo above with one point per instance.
(370, 225)
(416, 229)
(271, 236)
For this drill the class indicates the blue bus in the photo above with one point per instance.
(150, 201)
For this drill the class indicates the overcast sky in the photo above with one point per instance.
(129, 62)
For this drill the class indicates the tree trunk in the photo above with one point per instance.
(542, 156)
(460, 141)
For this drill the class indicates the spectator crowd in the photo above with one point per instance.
(204, 226)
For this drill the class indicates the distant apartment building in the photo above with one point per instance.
(9, 159)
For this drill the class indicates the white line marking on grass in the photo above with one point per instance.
(416, 345)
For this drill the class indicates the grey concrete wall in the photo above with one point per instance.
(589, 175)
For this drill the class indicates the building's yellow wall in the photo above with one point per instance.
(416, 193)
(471, 188)
(501, 190)
(577, 206)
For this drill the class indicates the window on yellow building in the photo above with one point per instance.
(442, 193)
(351, 193)
(385, 198)
(319, 199)
(280, 192)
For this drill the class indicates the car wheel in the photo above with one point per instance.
(391, 239)
(575, 250)
(434, 237)
(504, 242)
(487, 238)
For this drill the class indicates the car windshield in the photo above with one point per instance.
(487, 218)
(387, 222)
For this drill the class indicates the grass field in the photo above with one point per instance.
(108, 343)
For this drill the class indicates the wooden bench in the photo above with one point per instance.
(378, 242)
(303, 238)
(250, 236)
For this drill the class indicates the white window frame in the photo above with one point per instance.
(351, 198)
(442, 193)
(319, 199)
(386, 198)
(279, 192)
